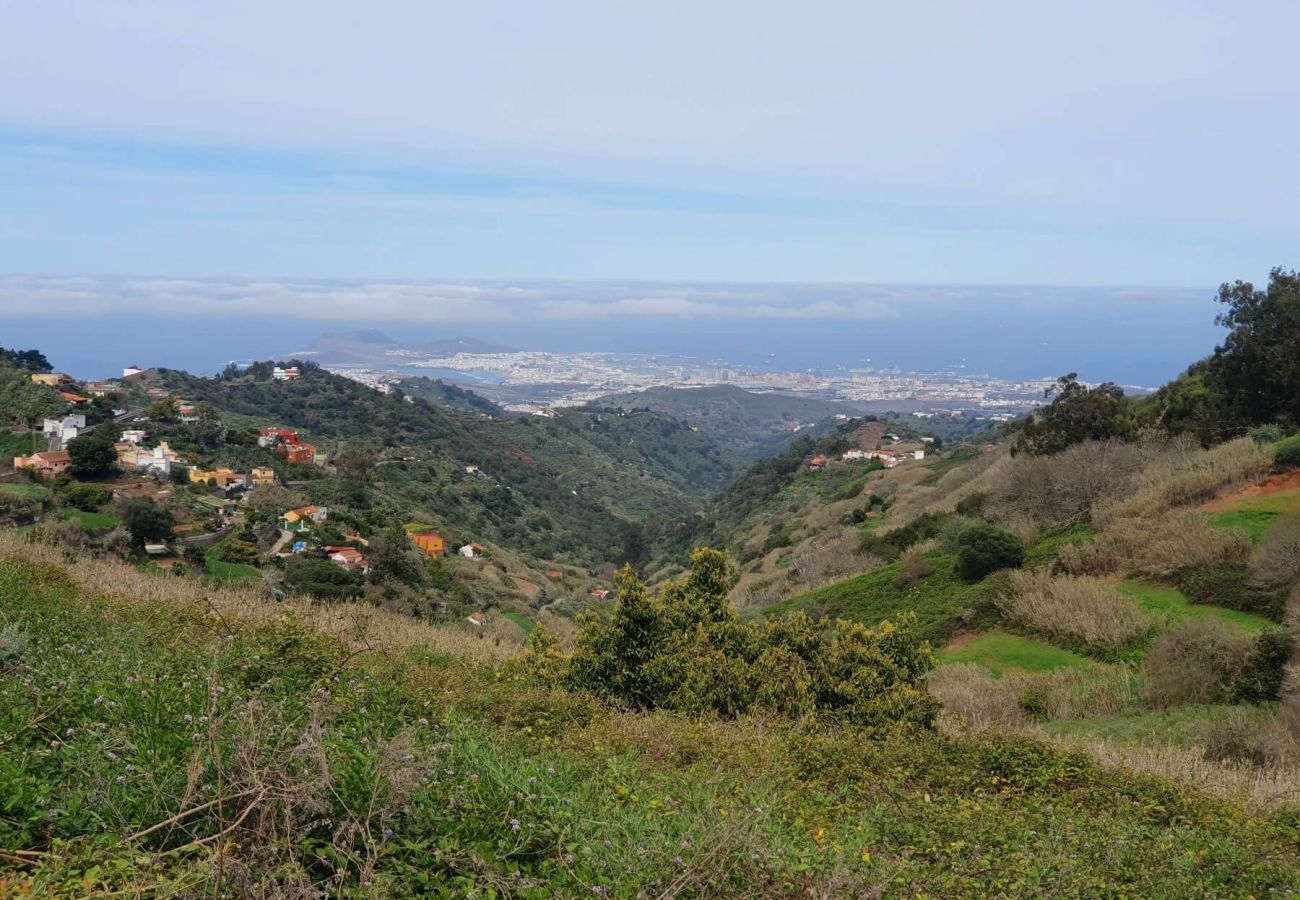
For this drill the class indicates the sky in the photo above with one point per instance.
(183, 157)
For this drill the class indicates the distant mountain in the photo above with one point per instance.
(749, 424)
(370, 347)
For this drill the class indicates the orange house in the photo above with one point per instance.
(430, 542)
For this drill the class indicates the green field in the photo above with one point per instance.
(1256, 515)
(526, 625)
(1170, 603)
(1000, 651)
(1180, 727)
(91, 521)
(874, 597)
(26, 490)
(228, 571)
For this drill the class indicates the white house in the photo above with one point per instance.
(288, 374)
(64, 429)
(129, 371)
(134, 436)
(854, 454)
(918, 454)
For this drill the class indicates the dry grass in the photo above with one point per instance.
(1073, 609)
(1277, 558)
(1257, 788)
(358, 626)
(974, 699)
(1158, 547)
(1193, 664)
(1056, 490)
(1184, 475)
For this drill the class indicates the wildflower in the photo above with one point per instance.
(515, 826)
(69, 732)
(121, 779)
(112, 757)
(600, 890)
(187, 718)
(550, 770)
(99, 700)
(532, 779)
(56, 743)
(570, 859)
(51, 814)
(424, 721)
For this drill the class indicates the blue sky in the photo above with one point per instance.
(590, 166)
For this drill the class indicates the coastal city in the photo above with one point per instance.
(530, 381)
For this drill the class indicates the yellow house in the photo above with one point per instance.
(223, 477)
(263, 475)
(53, 379)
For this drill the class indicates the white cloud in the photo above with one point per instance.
(427, 302)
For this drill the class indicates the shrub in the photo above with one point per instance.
(686, 649)
(1242, 738)
(1234, 586)
(322, 579)
(913, 568)
(88, 497)
(1260, 678)
(237, 551)
(146, 521)
(1195, 663)
(1187, 475)
(1277, 558)
(984, 548)
(891, 544)
(1082, 611)
(1158, 547)
(1286, 454)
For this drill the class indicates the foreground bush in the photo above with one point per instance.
(1159, 547)
(686, 649)
(1286, 454)
(1204, 661)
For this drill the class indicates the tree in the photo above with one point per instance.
(394, 558)
(1255, 373)
(88, 497)
(983, 548)
(1076, 414)
(27, 360)
(165, 409)
(146, 521)
(91, 455)
(207, 429)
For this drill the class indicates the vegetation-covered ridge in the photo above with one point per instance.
(161, 741)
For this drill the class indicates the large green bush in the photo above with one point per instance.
(1234, 586)
(1286, 454)
(88, 497)
(687, 649)
(983, 548)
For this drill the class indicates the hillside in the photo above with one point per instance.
(575, 486)
(751, 425)
(185, 741)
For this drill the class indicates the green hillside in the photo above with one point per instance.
(152, 748)
(580, 485)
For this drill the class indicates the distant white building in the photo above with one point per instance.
(131, 371)
(854, 454)
(134, 436)
(917, 454)
(288, 374)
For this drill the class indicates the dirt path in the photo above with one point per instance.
(1274, 484)
(961, 639)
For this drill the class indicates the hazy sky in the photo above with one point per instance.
(1014, 142)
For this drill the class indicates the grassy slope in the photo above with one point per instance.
(1170, 604)
(26, 490)
(91, 521)
(431, 760)
(1001, 651)
(22, 444)
(1180, 727)
(1256, 515)
(874, 597)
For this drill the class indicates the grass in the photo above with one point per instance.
(946, 464)
(526, 625)
(1257, 514)
(228, 571)
(1001, 651)
(26, 490)
(1171, 604)
(938, 601)
(91, 521)
(1182, 727)
(264, 752)
(1045, 549)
